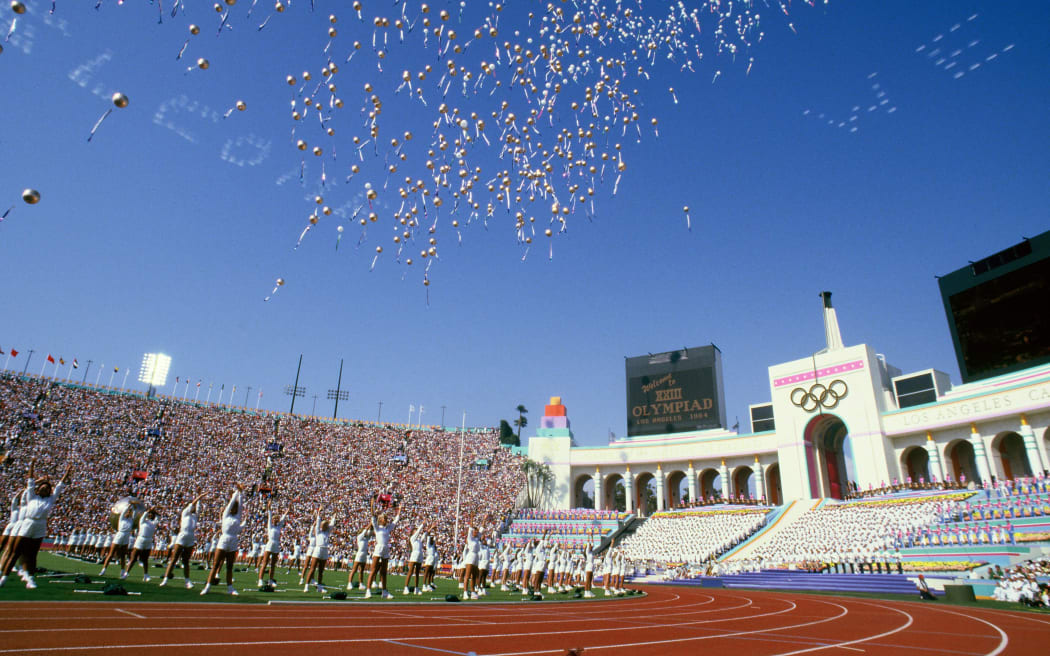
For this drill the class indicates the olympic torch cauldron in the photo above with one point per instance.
(120, 506)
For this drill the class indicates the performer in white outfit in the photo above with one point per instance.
(430, 562)
(360, 559)
(415, 558)
(121, 540)
(226, 549)
(143, 543)
(272, 548)
(32, 526)
(588, 571)
(184, 541)
(382, 527)
(322, 539)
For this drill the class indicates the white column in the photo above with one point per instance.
(724, 473)
(628, 488)
(760, 488)
(1031, 448)
(936, 469)
(599, 500)
(691, 473)
(660, 504)
(984, 469)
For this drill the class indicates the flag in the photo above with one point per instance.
(76, 365)
(198, 383)
(116, 369)
(60, 361)
(50, 359)
(2, 352)
(14, 353)
(176, 380)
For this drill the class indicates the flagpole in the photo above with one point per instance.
(459, 484)
(124, 385)
(69, 376)
(55, 375)
(198, 394)
(8, 360)
(186, 390)
(110, 386)
(31, 352)
(258, 400)
(208, 400)
(86, 370)
(42, 367)
(173, 386)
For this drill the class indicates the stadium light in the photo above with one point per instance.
(154, 370)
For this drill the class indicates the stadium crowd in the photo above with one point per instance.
(167, 453)
(1022, 584)
(691, 536)
(856, 535)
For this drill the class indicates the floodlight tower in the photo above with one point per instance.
(154, 371)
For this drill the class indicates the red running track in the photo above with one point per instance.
(671, 620)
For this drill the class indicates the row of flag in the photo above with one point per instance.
(75, 364)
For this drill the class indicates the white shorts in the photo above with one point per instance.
(144, 544)
(33, 529)
(9, 528)
(122, 539)
(184, 540)
(361, 557)
(272, 547)
(228, 543)
(320, 553)
(385, 553)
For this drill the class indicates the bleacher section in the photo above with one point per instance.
(570, 528)
(694, 536)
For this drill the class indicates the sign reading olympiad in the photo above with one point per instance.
(675, 391)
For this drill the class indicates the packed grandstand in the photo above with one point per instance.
(166, 453)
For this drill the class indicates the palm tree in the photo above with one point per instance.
(521, 421)
(538, 479)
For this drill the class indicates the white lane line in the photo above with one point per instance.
(128, 612)
(1003, 638)
(690, 639)
(413, 638)
(846, 643)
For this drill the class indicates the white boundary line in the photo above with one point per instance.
(128, 612)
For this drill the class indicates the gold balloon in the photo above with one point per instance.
(231, 2)
(332, 32)
(194, 29)
(317, 151)
(313, 219)
(301, 145)
(319, 199)
(241, 106)
(379, 249)
(279, 7)
(202, 63)
(120, 100)
(280, 282)
(327, 211)
(290, 79)
(332, 19)
(31, 196)
(18, 7)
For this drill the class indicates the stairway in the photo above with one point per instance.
(795, 510)
(786, 580)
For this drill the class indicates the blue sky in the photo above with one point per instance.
(168, 229)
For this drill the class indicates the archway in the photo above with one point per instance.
(710, 484)
(677, 489)
(915, 464)
(826, 456)
(583, 492)
(645, 494)
(1013, 459)
(963, 461)
(615, 492)
(742, 482)
(774, 493)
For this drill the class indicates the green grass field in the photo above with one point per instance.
(58, 585)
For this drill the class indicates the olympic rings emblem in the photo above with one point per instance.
(819, 395)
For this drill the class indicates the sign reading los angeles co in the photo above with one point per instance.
(1016, 400)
